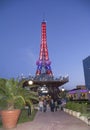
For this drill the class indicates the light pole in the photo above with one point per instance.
(63, 92)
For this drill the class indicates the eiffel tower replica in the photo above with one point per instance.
(44, 77)
(44, 71)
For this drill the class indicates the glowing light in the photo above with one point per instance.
(30, 82)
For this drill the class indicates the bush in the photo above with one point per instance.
(76, 106)
(24, 116)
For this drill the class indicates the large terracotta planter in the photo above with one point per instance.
(10, 118)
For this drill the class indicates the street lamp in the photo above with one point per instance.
(63, 89)
(63, 92)
(30, 82)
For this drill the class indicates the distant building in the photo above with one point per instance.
(86, 67)
(78, 93)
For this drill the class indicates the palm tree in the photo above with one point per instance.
(13, 96)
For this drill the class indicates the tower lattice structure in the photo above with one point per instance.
(43, 63)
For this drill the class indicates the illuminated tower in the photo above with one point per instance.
(44, 81)
(43, 63)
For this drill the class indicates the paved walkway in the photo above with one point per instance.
(53, 121)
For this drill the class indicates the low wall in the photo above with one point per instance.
(77, 115)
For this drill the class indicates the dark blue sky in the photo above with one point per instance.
(68, 37)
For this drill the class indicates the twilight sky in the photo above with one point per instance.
(68, 37)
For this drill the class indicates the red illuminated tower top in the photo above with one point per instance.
(43, 63)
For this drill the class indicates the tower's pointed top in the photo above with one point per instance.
(44, 17)
(43, 20)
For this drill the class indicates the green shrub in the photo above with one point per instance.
(76, 106)
(24, 116)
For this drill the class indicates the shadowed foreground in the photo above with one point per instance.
(53, 121)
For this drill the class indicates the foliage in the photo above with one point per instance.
(79, 107)
(24, 116)
(13, 96)
(62, 94)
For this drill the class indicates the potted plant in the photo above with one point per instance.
(13, 97)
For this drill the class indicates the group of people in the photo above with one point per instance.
(52, 105)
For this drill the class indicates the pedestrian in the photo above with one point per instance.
(44, 105)
(52, 105)
(59, 104)
(41, 105)
(56, 105)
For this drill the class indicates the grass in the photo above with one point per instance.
(86, 114)
(24, 117)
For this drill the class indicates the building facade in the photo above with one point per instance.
(78, 93)
(86, 68)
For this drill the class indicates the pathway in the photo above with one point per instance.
(53, 121)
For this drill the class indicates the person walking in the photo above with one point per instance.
(41, 105)
(44, 105)
(52, 105)
(56, 105)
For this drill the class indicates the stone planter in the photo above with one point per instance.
(10, 118)
(78, 115)
(66, 110)
(74, 113)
